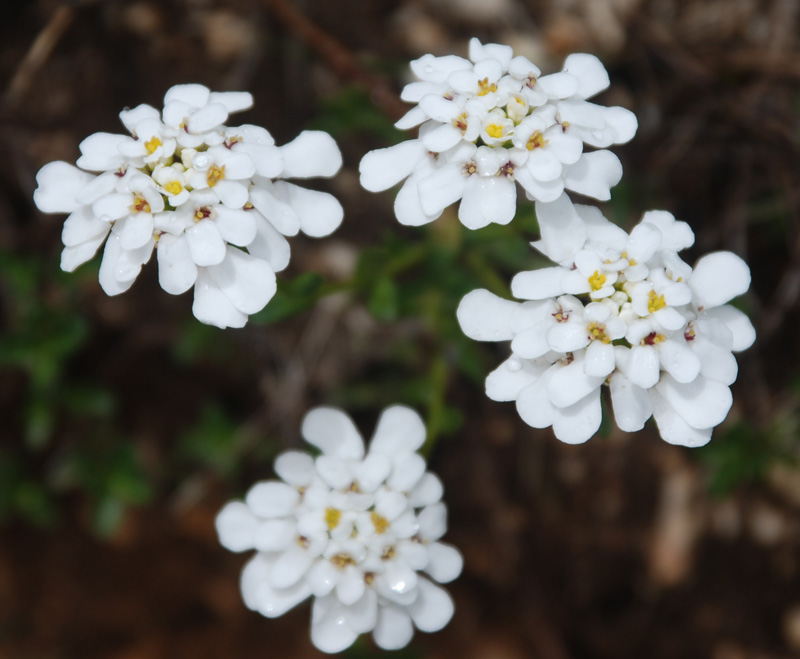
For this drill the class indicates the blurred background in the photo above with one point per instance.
(126, 424)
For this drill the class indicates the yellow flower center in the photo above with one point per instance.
(597, 280)
(655, 302)
(597, 332)
(152, 144)
(536, 141)
(332, 518)
(342, 560)
(460, 122)
(380, 522)
(140, 204)
(388, 554)
(493, 130)
(202, 213)
(652, 339)
(215, 175)
(173, 187)
(486, 87)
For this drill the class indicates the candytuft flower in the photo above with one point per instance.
(351, 528)
(207, 198)
(625, 312)
(493, 120)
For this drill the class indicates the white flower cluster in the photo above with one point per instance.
(492, 120)
(624, 311)
(203, 195)
(351, 529)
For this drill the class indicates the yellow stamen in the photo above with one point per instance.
(342, 560)
(597, 280)
(486, 87)
(174, 188)
(536, 141)
(332, 518)
(152, 144)
(652, 339)
(460, 122)
(215, 175)
(140, 204)
(655, 302)
(597, 332)
(388, 554)
(493, 130)
(380, 522)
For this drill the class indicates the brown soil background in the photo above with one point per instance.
(611, 550)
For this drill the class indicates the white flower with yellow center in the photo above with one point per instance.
(204, 195)
(502, 103)
(663, 343)
(352, 529)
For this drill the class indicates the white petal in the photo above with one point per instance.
(393, 630)
(112, 255)
(329, 629)
(622, 122)
(702, 403)
(445, 562)
(205, 243)
(407, 471)
(679, 361)
(558, 85)
(269, 244)
(579, 422)
(137, 231)
(295, 467)
(717, 278)
(383, 168)
(233, 101)
(236, 526)
(82, 226)
(599, 360)
(432, 521)
(231, 193)
(590, 72)
(351, 586)
(73, 256)
(563, 230)
(441, 188)
(262, 597)
(267, 158)
(509, 379)
(289, 567)
(486, 200)
(58, 185)
(235, 225)
(334, 471)
(673, 428)
(279, 213)
(212, 306)
(334, 433)
(643, 369)
(275, 535)
(570, 384)
(594, 174)
(248, 282)
(400, 430)
(631, 404)
(538, 284)
(323, 577)
(362, 615)
(408, 205)
(312, 153)
(176, 269)
(428, 490)
(101, 152)
(192, 94)
(206, 118)
(484, 316)
(371, 472)
(399, 578)
(270, 499)
(744, 334)
(320, 213)
(433, 607)
(544, 165)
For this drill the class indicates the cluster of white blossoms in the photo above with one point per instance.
(352, 529)
(627, 312)
(489, 121)
(204, 196)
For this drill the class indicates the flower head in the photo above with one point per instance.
(351, 528)
(202, 195)
(625, 312)
(492, 120)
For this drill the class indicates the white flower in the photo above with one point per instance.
(208, 198)
(351, 528)
(638, 319)
(520, 126)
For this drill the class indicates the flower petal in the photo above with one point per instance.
(334, 433)
(393, 629)
(433, 607)
(236, 525)
(484, 316)
(382, 168)
(445, 562)
(312, 153)
(248, 282)
(270, 499)
(400, 430)
(177, 272)
(717, 278)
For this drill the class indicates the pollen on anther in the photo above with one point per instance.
(486, 87)
(174, 188)
(215, 174)
(597, 280)
(140, 204)
(380, 523)
(332, 518)
(655, 302)
(494, 130)
(152, 144)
